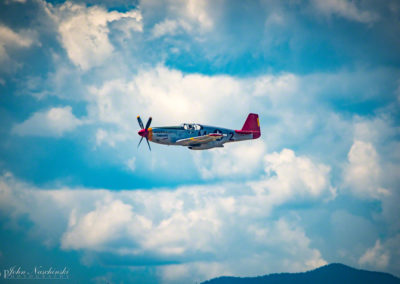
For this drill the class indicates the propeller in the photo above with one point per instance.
(144, 131)
(148, 122)
(147, 140)
(140, 122)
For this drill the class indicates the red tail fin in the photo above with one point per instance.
(251, 125)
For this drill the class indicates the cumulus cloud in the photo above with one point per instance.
(235, 160)
(377, 256)
(53, 122)
(197, 226)
(363, 173)
(84, 31)
(372, 159)
(291, 177)
(346, 9)
(292, 171)
(277, 234)
(371, 170)
(106, 223)
(171, 97)
(384, 254)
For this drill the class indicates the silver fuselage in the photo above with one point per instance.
(168, 135)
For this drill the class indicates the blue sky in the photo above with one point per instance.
(321, 185)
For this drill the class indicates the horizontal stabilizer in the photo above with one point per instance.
(243, 132)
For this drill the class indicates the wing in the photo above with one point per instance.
(199, 139)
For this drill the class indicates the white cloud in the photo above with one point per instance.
(53, 122)
(199, 226)
(370, 130)
(165, 27)
(235, 160)
(295, 177)
(181, 16)
(277, 88)
(293, 254)
(171, 97)
(373, 164)
(108, 222)
(84, 31)
(193, 12)
(346, 9)
(363, 173)
(10, 40)
(383, 255)
(376, 256)
(199, 12)
(108, 137)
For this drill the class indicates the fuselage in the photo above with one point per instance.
(168, 135)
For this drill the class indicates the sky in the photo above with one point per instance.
(320, 185)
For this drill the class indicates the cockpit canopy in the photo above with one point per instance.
(191, 126)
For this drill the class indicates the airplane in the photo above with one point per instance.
(197, 136)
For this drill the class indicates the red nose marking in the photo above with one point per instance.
(142, 132)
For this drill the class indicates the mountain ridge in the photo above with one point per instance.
(328, 274)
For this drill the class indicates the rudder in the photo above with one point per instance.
(252, 124)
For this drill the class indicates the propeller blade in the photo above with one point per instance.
(147, 140)
(140, 122)
(148, 122)
(140, 142)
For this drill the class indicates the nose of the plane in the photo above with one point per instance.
(142, 132)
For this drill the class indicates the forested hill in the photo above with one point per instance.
(329, 274)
